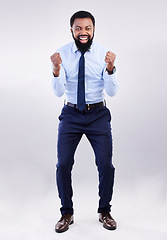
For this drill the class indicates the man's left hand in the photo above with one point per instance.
(110, 59)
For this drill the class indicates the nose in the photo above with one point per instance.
(83, 32)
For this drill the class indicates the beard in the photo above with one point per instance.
(83, 47)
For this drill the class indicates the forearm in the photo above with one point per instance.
(58, 83)
(110, 84)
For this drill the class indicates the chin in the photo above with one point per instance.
(83, 46)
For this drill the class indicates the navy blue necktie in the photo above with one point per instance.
(81, 83)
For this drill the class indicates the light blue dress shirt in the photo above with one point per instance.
(96, 77)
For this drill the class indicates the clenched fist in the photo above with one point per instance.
(110, 59)
(56, 61)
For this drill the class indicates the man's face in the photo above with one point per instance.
(83, 33)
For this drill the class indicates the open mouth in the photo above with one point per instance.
(83, 38)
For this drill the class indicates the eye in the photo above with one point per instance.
(88, 28)
(77, 29)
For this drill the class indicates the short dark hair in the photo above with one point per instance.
(82, 14)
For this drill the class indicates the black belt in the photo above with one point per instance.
(88, 106)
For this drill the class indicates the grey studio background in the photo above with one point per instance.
(31, 31)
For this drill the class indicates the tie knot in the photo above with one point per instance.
(83, 52)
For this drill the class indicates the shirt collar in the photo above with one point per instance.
(75, 49)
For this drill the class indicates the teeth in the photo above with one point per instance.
(83, 38)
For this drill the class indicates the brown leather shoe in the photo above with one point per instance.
(108, 222)
(64, 222)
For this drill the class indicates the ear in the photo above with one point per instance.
(94, 29)
(71, 30)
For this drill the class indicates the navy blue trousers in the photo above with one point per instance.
(95, 124)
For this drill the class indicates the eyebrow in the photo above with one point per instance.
(81, 27)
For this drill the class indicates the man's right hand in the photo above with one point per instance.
(56, 61)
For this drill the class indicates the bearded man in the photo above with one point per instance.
(82, 70)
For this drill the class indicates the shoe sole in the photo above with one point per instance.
(61, 231)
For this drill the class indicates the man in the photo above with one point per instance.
(82, 70)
